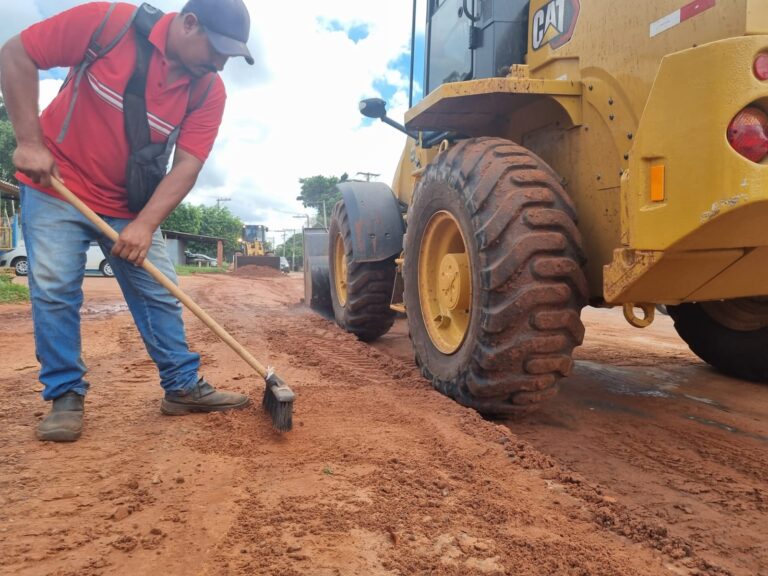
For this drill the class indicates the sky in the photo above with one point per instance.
(294, 114)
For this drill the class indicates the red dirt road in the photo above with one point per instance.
(647, 462)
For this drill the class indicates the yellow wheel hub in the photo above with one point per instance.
(340, 269)
(445, 283)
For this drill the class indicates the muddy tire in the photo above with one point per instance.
(740, 353)
(317, 291)
(493, 276)
(360, 291)
(317, 287)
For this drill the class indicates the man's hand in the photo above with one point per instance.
(134, 242)
(36, 162)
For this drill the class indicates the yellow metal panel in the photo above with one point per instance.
(696, 94)
(476, 106)
(746, 277)
(615, 37)
(644, 276)
(731, 223)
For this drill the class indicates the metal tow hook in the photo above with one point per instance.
(649, 312)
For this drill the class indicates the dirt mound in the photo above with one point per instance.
(253, 271)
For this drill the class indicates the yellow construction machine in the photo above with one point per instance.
(602, 152)
(253, 248)
(253, 240)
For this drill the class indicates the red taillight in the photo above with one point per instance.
(761, 66)
(748, 133)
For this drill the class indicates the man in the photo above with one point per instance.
(81, 139)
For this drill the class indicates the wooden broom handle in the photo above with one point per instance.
(110, 233)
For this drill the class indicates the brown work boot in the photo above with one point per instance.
(202, 397)
(64, 423)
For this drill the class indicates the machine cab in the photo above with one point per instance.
(474, 39)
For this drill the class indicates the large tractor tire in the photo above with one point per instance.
(493, 277)
(730, 335)
(360, 291)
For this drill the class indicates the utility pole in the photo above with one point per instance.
(220, 200)
(369, 175)
(325, 219)
(283, 232)
(293, 254)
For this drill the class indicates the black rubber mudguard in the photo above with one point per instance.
(376, 222)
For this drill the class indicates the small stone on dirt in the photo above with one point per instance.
(121, 513)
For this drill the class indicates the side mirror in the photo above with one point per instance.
(373, 108)
(377, 108)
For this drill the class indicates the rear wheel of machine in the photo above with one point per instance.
(317, 291)
(730, 335)
(493, 279)
(360, 291)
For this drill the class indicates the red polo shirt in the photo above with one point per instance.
(92, 157)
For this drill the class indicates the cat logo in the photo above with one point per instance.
(554, 23)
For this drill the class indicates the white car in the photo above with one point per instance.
(95, 261)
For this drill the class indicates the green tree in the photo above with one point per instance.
(185, 218)
(206, 221)
(320, 192)
(220, 222)
(7, 145)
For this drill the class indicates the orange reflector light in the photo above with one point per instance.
(761, 66)
(657, 183)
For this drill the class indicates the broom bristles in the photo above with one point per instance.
(278, 402)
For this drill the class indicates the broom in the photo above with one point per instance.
(278, 397)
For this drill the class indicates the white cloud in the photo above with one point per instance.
(294, 114)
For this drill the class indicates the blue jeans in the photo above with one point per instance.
(57, 237)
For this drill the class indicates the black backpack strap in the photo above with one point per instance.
(192, 106)
(94, 51)
(145, 19)
(134, 100)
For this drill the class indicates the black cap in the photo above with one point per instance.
(227, 24)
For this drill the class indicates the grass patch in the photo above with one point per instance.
(187, 270)
(12, 292)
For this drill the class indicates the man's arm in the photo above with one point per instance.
(136, 238)
(19, 81)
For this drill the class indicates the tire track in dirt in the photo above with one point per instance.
(377, 503)
(380, 476)
(677, 444)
